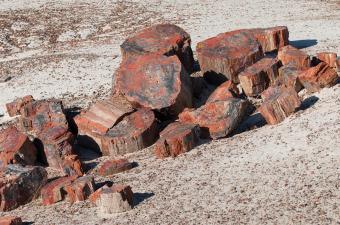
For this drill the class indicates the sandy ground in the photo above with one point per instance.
(283, 174)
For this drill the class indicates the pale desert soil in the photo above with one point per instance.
(283, 174)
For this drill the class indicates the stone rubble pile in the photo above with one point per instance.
(152, 104)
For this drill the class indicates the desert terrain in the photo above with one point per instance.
(275, 174)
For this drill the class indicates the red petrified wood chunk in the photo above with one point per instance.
(288, 76)
(55, 191)
(177, 138)
(224, 92)
(328, 57)
(113, 166)
(80, 189)
(15, 147)
(272, 38)
(19, 185)
(135, 132)
(257, 77)
(318, 77)
(163, 39)
(219, 118)
(279, 103)
(154, 81)
(289, 54)
(10, 220)
(228, 54)
(14, 108)
(115, 199)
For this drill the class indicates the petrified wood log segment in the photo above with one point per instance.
(272, 38)
(289, 54)
(14, 108)
(288, 76)
(279, 103)
(218, 118)
(154, 81)
(318, 77)
(328, 57)
(227, 54)
(177, 138)
(163, 39)
(113, 166)
(224, 92)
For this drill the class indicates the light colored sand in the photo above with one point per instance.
(284, 174)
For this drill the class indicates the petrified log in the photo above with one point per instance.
(328, 57)
(288, 76)
(14, 108)
(113, 166)
(177, 138)
(272, 38)
(289, 54)
(224, 92)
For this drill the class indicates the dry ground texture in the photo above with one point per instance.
(283, 174)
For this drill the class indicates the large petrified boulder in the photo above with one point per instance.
(177, 138)
(16, 147)
(318, 77)
(226, 55)
(19, 185)
(257, 77)
(279, 103)
(290, 55)
(163, 39)
(216, 119)
(328, 57)
(288, 76)
(224, 92)
(154, 81)
(135, 132)
(272, 38)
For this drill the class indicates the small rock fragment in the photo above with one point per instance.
(116, 199)
(223, 57)
(279, 103)
(80, 189)
(328, 57)
(318, 77)
(113, 166)
(257, 77)
(15, 147)
(289, 54)
(216, 119)
(10, 220)
(19, 185)
(177, 138)
(162, 39)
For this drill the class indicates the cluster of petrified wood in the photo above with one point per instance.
(154, 101)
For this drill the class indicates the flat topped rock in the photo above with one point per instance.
(272, 38)
(133, 133)
(290, 55)
(154, 81)
(163, 39)
(216, 119)
(227, 54)
(177, 138)
(15, 147)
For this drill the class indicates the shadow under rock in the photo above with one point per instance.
(308, 102)
(300, 44)
(27, 223)
(140, 197)
(252, 122)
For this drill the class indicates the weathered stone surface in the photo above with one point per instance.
(288, 76)
(80, 189)
(135, 132)
(224, 92)
(10, 220)
(15, 147)
(14, 108)
(177, 138)
(257, 77)
(55, 191)
(19, 185)
(113, 166)
(154, 81)
(116, 199)
(217, 119)
(318, 77)
(71, 165)
(102, 115)
(289, 54)
(226, 55)
(328, 57)
(163, 39)
(279, 103)
(272, 38)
